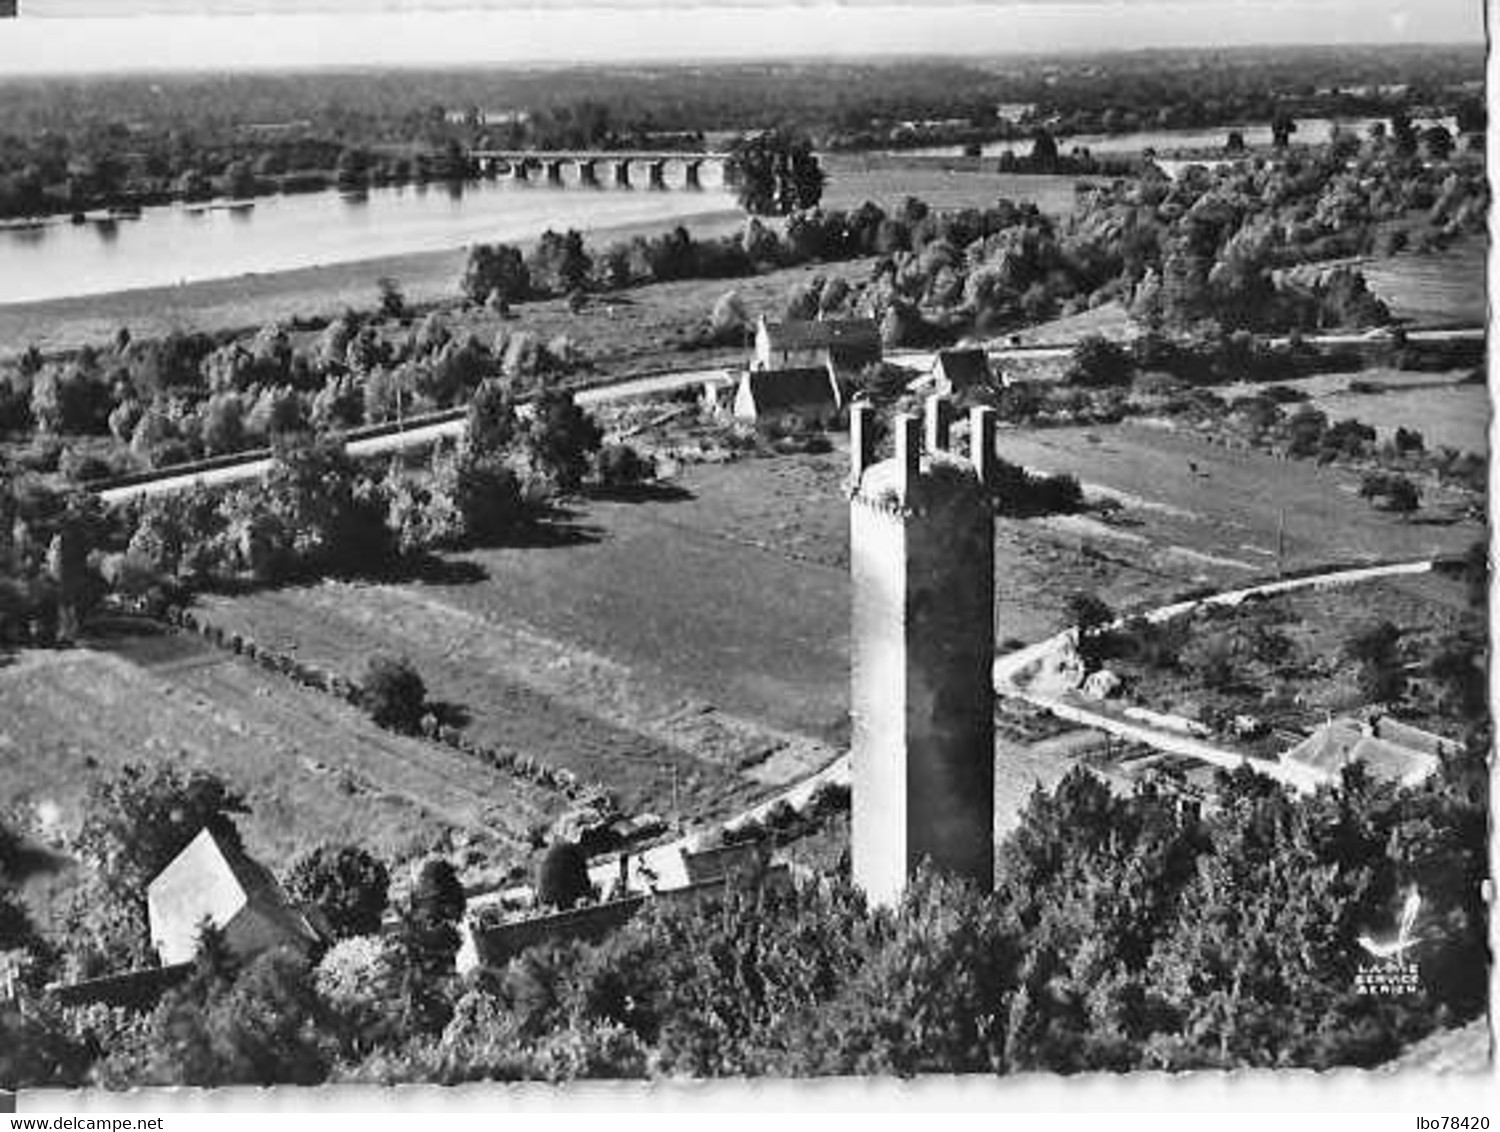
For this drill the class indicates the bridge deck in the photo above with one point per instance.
(543, 155)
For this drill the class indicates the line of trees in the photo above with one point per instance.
(315, 512)
(185, 396)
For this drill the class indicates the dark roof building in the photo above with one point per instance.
(957, 370)
(806, 394)
(724, 861)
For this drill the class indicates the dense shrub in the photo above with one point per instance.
(563, 879)
(1098, 362)
(621, 466)
(346, 885)
(1018, 492)
(393, 693)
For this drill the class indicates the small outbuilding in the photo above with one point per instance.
(807, 395)
(213, 880)
(955, 371)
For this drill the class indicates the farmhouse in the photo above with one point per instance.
(1388, 749)
(842, 345)
(214, 880)
(802, 396)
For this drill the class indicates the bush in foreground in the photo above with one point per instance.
(564, 877)
(394, 693)
(345, 884)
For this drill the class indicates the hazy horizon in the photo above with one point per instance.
(68, 38)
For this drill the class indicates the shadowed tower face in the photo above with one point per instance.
(923, 642)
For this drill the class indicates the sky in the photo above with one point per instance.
(84, 36)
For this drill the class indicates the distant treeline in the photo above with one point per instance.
(73, 144)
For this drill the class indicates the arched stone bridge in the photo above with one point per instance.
(621, 169)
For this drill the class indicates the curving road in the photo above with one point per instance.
(1303, 779)
(408, 438)
(671, 382)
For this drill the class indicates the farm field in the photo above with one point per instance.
(795, 507)
(1226, 514)
(311, 768)
(1438, 405)
(707, 634)
(1111, 320)
(1446, 288)
(637, 647)
(888, 179)
(706, 629)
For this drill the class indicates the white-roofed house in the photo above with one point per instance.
(213, 880)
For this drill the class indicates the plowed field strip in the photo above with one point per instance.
(312, 769)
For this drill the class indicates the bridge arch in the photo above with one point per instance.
(659, 170)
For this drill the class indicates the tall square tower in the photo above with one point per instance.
(922, 558)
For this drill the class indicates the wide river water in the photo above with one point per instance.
(178, 244)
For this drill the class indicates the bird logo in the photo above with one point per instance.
(1395, 947)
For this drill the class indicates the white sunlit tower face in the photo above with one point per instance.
(923, 642)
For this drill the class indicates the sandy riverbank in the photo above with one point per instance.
(246, 301)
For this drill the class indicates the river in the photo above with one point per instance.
(179, 244)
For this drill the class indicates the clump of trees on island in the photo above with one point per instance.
(775, 173)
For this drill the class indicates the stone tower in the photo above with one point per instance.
(922, 555)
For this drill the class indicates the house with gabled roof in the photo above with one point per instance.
(213, 880)
(806, 395)
(1344, 742)
(846, 345)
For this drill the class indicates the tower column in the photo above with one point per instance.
(982, 443)
(861, 439)
(921, 559)
(939, 418)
